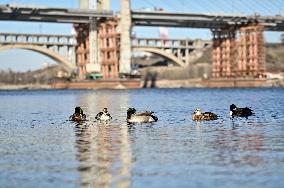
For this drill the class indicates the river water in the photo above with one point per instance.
(41, 148)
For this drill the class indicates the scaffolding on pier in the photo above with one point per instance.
(238, 52)
(109, 48)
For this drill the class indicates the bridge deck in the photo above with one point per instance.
(47, 40)
(210, 21)
(58, 15)
(139, 18)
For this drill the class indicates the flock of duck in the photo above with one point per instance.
(147, 117)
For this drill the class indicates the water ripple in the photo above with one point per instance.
(40, 147)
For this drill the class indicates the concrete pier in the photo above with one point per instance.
(125, 29)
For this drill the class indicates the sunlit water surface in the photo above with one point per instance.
(41, 148)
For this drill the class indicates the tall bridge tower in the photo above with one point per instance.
(104, 45)
(239, 52)
(88, 48)
(125, 39)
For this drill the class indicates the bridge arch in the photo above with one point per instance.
(160, 52)
(42, 50)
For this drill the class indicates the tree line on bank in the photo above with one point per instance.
(41, 76)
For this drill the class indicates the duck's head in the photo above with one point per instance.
(232, 107)
(197, 111)
(131, 110)
(105, 110)
(78, 110)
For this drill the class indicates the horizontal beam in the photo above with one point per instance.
(57, 15)
(209, 21)
(139, 18)
(169, 43)
(48, 44)
(36, 35)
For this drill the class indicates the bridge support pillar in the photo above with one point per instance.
(82, 48)
(84, 4)
(92, 4)
(224, 50)
(109, 49)
(103, 4)
(251, 61)
(94, 64)
(88, 49)
(238, 53)
(125, 40)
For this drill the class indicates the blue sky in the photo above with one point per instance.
(22, 60)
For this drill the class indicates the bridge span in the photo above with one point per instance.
(238, 43)
(207, 21)
(57, 15)
(62, 48)
(140, 18)
(179, 51)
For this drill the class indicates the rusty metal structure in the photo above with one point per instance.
(251, 56)
(224, 53)
(82, 49)
(108, 48)
(238, 52)
(109, 40)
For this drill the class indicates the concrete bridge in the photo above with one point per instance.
(180, 51)
(60, 48)
(208, 21)
(55, 15)
(238, 44)
(138, 18)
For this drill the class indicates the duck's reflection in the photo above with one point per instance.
(103, 151)
(239, 145)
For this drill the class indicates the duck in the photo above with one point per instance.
(198, 115)
(103, 116)
(140, 117)
(78, 115)
(241, 112)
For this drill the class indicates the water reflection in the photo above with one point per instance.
(94, 101)
(173, 152)
(104, 155)
(103, 150)
(239, 145)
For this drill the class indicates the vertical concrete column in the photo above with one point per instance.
(84, 4)
(186, 56)
(94, 45)
(103, 4)
(125, 40)
(179, 53)
(255, 51)
(93, 33)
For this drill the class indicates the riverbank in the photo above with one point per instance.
(136, 84)
(216, 83)
(24, 86)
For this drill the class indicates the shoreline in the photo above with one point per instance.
(25, 87)
(137, 84)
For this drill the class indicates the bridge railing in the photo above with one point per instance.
(38, 39)
(162, 43)
(168, 43)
